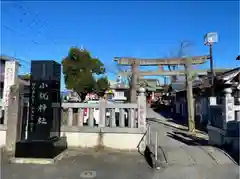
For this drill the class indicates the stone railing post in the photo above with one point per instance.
(142, 114)
(142, 109)
(228, 107)
(14, 123)
(237, 113)
(102, 113)
(70, 117)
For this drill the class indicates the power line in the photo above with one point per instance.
(31, 26)
(20, 34)
(37, 25)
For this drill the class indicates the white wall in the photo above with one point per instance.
(122, 141)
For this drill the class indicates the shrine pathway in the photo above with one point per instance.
(183, 156)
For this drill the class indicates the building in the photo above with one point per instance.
(201, 93)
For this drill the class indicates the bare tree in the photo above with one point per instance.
(181, 51)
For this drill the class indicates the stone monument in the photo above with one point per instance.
(43, 126)
(119, 96)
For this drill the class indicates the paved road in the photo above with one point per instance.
(188, 158)
(106, 164)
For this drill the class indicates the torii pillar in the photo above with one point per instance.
(134, 81)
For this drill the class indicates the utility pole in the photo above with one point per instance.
(211, 67)
(209, 39)
(189, 89)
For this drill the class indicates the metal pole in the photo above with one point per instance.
(1, 162)
(212, 71)
(149, 136)
(156, 146)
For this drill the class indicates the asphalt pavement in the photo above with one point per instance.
(84, 163)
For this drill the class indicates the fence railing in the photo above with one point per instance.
(101, 114)
(112, 117)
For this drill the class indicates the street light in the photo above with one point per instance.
(209, 39)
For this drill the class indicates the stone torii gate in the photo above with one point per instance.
(160, 62)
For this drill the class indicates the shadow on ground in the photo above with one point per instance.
(192, 140)
(165, 112)
(149, 157)
(188, 139)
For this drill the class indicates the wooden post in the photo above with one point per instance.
(191, 120)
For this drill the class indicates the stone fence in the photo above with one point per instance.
(224, 122)
(220, 115)
(114, 125)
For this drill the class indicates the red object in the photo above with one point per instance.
(149, 99)
(85, 111)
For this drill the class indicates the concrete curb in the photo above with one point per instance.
(167, 123)
(42, 161)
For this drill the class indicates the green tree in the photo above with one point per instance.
(26, 76)
(80, 69)
(102, 84)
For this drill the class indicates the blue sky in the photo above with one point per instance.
(46, 30)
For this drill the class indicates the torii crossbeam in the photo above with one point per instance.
(126, 61)
(169, 73)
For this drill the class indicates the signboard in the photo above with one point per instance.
(10, 78)
(210, 38)
(44, 119)
(142, 113)
(41, 114)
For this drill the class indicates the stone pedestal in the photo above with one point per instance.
(43, 125)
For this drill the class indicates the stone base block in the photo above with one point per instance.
(48, 149)
(216, 136)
